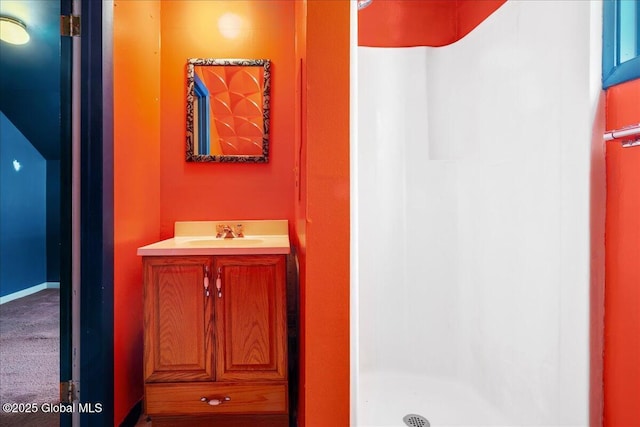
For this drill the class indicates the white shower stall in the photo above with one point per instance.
(471, 222)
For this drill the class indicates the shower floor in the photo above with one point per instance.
(384, 398)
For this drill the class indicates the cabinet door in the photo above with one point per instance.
(251, 318)
(178, 319)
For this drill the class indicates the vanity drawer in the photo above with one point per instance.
(185, 398)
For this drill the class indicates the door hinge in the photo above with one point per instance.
(68, 391)
(70, 25)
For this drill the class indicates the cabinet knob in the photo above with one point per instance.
(215, 401)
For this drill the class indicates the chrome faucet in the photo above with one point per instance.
(227, 232)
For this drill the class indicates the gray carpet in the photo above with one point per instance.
(30, 356)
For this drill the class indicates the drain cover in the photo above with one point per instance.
(413, 420)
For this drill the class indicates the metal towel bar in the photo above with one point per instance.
(632, 131)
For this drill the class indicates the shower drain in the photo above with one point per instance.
(413, 420)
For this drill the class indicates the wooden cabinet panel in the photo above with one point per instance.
(251, 318)
(247, 398)
(178, 320)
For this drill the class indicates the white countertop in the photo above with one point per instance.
(199, 238)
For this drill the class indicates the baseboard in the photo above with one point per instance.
(32, 290)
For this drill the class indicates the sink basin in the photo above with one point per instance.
(218, 243)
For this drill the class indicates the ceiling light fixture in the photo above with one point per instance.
(13, 31)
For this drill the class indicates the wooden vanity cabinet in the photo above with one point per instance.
(210, 351)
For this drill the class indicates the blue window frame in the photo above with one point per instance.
(621, 41)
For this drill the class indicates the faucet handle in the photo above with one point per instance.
(228, 232)
(239, 230)
(219, 230)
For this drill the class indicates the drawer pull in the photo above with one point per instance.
(219, 282)
(215, 401)
(206, 280)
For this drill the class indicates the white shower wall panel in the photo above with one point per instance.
(523, 110)
(408, 220)
(473, 186)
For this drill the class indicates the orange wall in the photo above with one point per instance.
(136, 69)
(156, 187)
(470, 13)
(622, 280)
(402, 23)
(407, 23)
(207, 191)
(300, 194)
(322, 211)
(310, 144)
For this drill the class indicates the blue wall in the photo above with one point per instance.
(23, 221)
